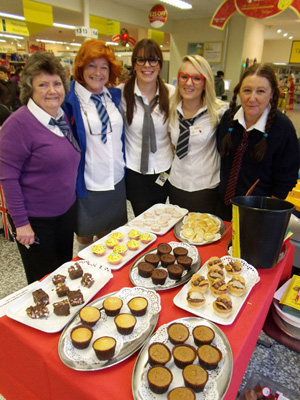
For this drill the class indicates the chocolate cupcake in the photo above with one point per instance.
(163, 248)
(138, 306)
(159, 379)
(89, 315)
(175, 271)
(158, 354)
(195, 377)
(180, 251)
(203, 335)
(145, 269)
(153, 259)
(185, 261)
(178, 333)
(167, 259)
(81, 336)
(104, 347)
(180, 393)
(184, 354)
(209, 356)
(159, 276)
(125, 323)
(112, 306)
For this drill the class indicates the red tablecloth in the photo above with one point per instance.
(30, 367)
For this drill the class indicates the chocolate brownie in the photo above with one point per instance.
(167, 259)
(40, 297)
(62, 289)
(38, 311)
(152, 259)
(75, 271)
(145, 269)
(87, 280)
(58, 279)
(75, 297)
(61, 308)
(163, 248)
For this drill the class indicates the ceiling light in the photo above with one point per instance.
(279, 30)
(13, 16)
(75, 44)
(64, 26)
(178, 3)
(11, 36)
(49, 41)
(67, 47)
(285, 34)
(2, 40)
(290, 37)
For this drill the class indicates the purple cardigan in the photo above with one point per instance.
(38, 169)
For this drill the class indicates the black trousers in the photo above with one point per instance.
(55, 235)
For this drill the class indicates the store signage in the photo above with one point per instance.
(16, 27)
(158, 16)
(295, 52)
(86, 32)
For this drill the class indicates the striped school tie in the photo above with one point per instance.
(64, 127)
(103, 115)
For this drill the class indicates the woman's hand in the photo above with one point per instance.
(25, 235)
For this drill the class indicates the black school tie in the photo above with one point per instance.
(64, 127)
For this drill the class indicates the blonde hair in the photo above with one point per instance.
(208, 95)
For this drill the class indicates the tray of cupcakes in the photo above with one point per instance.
(109, 329)
(219, 289)
(118, 247)
(188, 358)
(167, 266)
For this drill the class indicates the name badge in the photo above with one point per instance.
(161, 180)
(196, 129)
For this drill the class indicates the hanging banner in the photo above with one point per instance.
(16, 27)
(38, 16)
(158, 16)
(295, 52)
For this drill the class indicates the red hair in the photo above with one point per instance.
(94, 48)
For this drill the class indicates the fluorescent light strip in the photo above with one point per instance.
(11, 36)
(2, 40)
(178, 3)
(64, 26)
(5, 15)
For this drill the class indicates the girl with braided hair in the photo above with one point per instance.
(256, 142)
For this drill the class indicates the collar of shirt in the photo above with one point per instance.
(259, 125)
(179, 108)
(139, 93)
(43, 117)
(85, 95)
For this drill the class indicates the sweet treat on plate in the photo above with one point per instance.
(75, 271)
(40, 297)
(104, 347)
(111, 243)
(195, 377)
(155, 228)
(159, 276)
(146, 238)
(209, 356)
(175, 271)
(75, 297)
(81, 336)
(115, 258)
(158, 354)
(163, 248)
(134, 234)
(117, 235)
(58, 279)
(133, 244)
(187, 233)
(61, 308)
(203, 334)
(214, 261)
(233, 268)
(195, 297)
(99, 250)
(112, 306)
(184, 354)
(162, 222)
(145, 269)
(237, 285)
(180, 251)
(89, 315)
(87, 280)
(214, 273)
(167, 259)
(159, 379)
(152, 259)
(223, 306)
(125, 323)
(62, 289)
(165, 217)
(138, 306)
(38, 311)
(185, 261)
(200, 282)
(148, 214)
(139, 222)
(181, 393)
(121, 249)
(218, 287)
(149, 221)
(178, 333)
(177, 214)
(158, 211)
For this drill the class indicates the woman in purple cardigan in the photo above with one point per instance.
(39, 158)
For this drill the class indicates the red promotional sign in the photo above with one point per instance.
(158, 16)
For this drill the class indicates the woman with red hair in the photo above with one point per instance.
(92, 106)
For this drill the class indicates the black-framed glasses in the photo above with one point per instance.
(153, 61)
(196, 79)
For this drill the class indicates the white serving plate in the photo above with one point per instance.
(158, 211)
(87, 254)
(206, 311)
(55, 323)
(289, 318)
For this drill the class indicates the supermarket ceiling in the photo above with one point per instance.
(288, 20)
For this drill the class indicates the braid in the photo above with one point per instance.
(129, 98)
(226, 145)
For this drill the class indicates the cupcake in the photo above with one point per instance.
(112, 306)
(180, 251)
(118, 236)
(159, 379)
(163, 248)
(158, 354)
(223, 306)
(195, 297)
(175, 271)
(209, 356)
(203, 334)
(159, 276)
(167, 259)
(121, 249)
(138, 306)
(115, 258)
(125, 323)
(145, 269)
(111, 243)
(200, 282)
(134, 234)
(185, 261)
(219, 287)
(237, 286)
(195, 377)
(104, 347)
(184, 354)
(178, 333)
(152, 259)
(133, 244)
(89, 315)
(181, 393)
(233, 268)
(81, 336)
(146, 238)
(99, 249)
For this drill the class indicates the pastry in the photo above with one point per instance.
(167, 259)
(203, 334)
(180, 251)
(148, 214)
(40, 297)
(121, 249)
(209, 356)
(104, 347)
(99, 250)
(158, 354)
(237, 286)
(89, 315)
(62, 289)
(125, 323)
(112, 306)
(115, 258)
(81, 336)
(185, 261)
(61, 308)
(111, 243)
(75, 297)
(134, 234)
(117, 235)
(163, 248)
(213, 261)
(233, 268)
(138, 306)
(195, 297)
(146, 238)
(145, 269)
(200, 282)
(175, 271)
(159, 276)
(215, 272)
(159, 379)
(183, 355)
(58, 279)
(152, 259)
(38, 311)
(178, 333)
(195, 377)
(75, 271)
(155, 227)
(133, 244)
(87, 280)
(218, 287)
(181, 393)
(223, 305)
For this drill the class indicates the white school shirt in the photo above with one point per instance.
(44, 118)
(160, 160)
(200, 168)
(104, 162)
(259, 124)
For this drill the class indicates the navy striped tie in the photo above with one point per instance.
(103, 115)
(64, 127)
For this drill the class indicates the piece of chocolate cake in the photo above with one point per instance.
(38, 311)
(87, 280)
(40, 297)
(62, 290)
(75, 271)
(75, 297)
(58, 279)
(61, 308)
